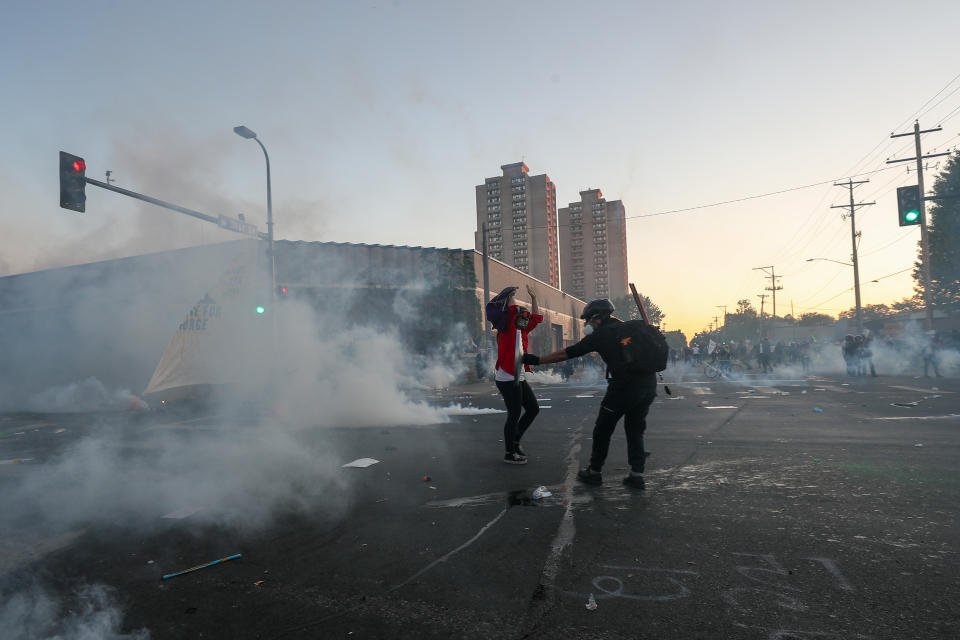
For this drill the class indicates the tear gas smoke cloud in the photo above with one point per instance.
(539, 377)
(86, 395)
(335, 368)
(900, 355)
(32, 614)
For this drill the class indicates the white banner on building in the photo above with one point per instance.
(211, 345)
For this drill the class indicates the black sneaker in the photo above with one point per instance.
(589, 476)
(513, 458)
(634, 481)
(520, 451)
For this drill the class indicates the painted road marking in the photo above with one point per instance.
(894, 386)
(946, 417)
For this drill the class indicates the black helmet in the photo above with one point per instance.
(596, 308)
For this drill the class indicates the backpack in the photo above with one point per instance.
(642, 348)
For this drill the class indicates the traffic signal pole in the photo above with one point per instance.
(854, 234)
(173, 207)
(924, 239)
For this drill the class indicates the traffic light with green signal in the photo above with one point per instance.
(73, 182)
(908, 205)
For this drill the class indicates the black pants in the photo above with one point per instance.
(631, 401)
(517, 397)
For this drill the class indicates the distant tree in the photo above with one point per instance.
(943, 224)
(745, 308)
(815, 320)
(627, 309)
(908, 304)
(870, 312)
(742, 325)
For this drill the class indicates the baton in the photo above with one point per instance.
(636, 298)
(643, 312)
(201, 566)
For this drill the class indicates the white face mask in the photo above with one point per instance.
(587, 329)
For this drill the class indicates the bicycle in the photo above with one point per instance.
(725, 369)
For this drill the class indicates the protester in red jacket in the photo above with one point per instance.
(517, 395)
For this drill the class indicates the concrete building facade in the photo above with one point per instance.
(593, 247)
(111, 321)
(520, 213)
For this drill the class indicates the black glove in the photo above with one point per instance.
(531, 358)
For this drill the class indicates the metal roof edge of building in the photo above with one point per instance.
(362, 244)
(526, 275)
(133, 257)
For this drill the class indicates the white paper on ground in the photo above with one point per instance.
(361, 463)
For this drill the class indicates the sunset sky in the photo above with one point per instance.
(381, 117)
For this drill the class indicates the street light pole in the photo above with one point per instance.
(244, 132)
(856, 283)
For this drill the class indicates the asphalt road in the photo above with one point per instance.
(813, 507)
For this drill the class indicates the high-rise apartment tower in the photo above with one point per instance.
(593, 247)
(520, 212)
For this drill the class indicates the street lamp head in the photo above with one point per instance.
(243, 132)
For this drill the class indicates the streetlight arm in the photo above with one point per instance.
(830, 260)
(269, 195)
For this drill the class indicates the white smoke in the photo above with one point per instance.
(543, 377)
(32, 614)
(86, 395)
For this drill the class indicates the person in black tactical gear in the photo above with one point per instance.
(629, 395)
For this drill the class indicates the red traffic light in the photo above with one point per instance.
(73, 182)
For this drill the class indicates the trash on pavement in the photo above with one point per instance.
(817, 410)
(361, 463)
(426, 478)
(919, 444)
(903, 404)
(591, 603)
(541, 492)
(258, 583)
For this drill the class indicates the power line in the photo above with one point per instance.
(914, 115)
(895, 273)
(906, 235)
(762, 195)
(939, 103)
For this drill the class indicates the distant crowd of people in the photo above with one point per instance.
(858, 355)
(857, 352)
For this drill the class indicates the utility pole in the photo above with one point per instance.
(773, 285)
(724, 307)
(486, 293)
(853, 240)
(924, 237)
(763, 298)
